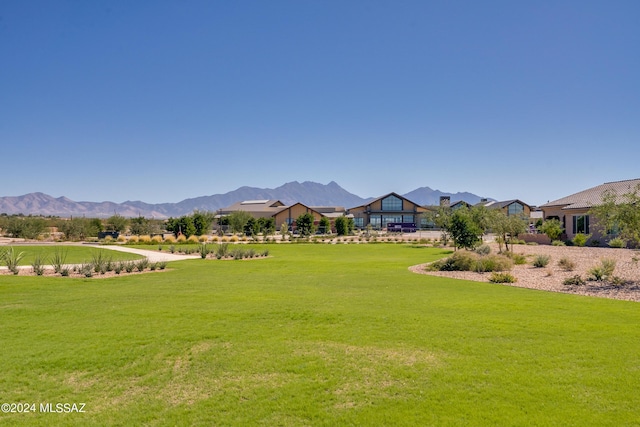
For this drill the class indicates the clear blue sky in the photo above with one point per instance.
(165, 100)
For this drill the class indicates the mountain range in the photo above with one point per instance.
(308, 193)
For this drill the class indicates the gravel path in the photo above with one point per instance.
(550, 278)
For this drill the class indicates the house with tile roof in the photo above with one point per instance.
(573, 210)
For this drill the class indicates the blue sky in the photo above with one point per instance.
(165, 100)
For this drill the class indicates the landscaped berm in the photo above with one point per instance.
(313, 335)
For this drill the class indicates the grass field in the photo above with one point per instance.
(314, 335)
(73, 254)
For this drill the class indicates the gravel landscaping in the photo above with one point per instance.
(551, 277)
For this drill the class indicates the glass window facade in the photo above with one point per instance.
(375, 222)
(358, 222)
(515, 209)
(392, 203)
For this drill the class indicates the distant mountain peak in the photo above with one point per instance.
(308, 192)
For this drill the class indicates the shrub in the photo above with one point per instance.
(558, 243)
(181, 239)
(122, 239)
(129, 266)
(144, 239)
(203, 238)
(58, 259)
(604, 271)
(469, 261)
(132, 240)
(541, 261)
(38, 265)
(492, 263)
(566, 264)
(580, 239)
(502, 278)
(156, 240)
(87, 269)
(193, 239)
(204, 251)
(617, 243)
(169, 240)
(483, 250)
(12, 258)
(162, 265)
(234, 238)
(576, 280)
(140, 265)
(119, 266)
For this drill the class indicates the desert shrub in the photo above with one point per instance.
(11, 259)
(108, 239)
(181, 239)
(142, 264)
(215, 239)
(193, 239)
(576, 280)
(122, 239)
(493, 263)
(469, 261)
(132, 240)
(604, 271)
(156, 240)
(203, 238)
(234, 238)
(38, 265)
(162, 265)
(203, 250)
(558, 243)
(595, 243)
(86, 269)
(617, 243)
(129, 266)
(566, 264)
(518, 259)
(541, 261)
(580, 239)
(483, 250)
(222, 250)
(118, 267)
(502, 278)
(170, 240)
(153, 266)
(146, 239)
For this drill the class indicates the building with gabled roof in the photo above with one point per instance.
(390, 208)
(573, 210)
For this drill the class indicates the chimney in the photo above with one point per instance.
(445, 201)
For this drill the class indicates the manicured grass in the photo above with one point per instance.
(315, 335)
(74, 254)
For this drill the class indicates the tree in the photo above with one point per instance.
(78, 229)
(202, 221)
(251, 227)
(117, 223)
(266, 226)
(441, 219)
(464, 231)
(506, 227)
(304, 224)
(552, 228)
(139, 226)
(620, 214)
(183, 225)
(325, 225)
(24, 227)
(342, 226)
(284, 230)
(237, 221)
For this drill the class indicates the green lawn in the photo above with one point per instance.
(74, 254)
(315, 335)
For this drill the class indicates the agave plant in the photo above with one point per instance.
(12, 258)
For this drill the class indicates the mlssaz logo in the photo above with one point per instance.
(62, 407)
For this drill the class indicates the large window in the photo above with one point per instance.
(392, 203)
(407, 218)
(581, 224)
(375, 222)
(386, 219)
(358, 222)
(515, 209)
